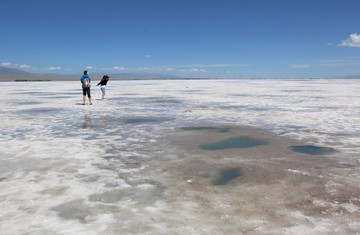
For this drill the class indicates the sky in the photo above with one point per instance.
(185, 38)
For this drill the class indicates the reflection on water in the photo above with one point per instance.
(87, 121)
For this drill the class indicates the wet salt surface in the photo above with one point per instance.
(134, 163)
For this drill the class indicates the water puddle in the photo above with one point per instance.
(235, 142)
(312, 150)
(204, 128)
(141, 120)
(227, 175)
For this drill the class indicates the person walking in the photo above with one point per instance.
(86, 80)
(102, 84)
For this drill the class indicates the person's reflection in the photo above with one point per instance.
(87, 121)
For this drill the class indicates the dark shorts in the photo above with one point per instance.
(86, 90)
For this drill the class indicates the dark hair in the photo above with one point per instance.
(106, 77)
(85, 71)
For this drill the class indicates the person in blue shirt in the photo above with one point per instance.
(86, 80)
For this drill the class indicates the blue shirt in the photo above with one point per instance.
(85, 76)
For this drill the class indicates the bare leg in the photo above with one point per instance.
(90, 101)
(84, 100)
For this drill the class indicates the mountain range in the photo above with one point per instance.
(13, 74)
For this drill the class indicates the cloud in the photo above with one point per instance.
(24, 66)
(352, 41)
(208, 65)
(17, 66)
(196, 70)
(169, 69)
(144, 68)
(55, 68)
(193, 70)
(300, 66)
(330, 65)
(113, 68)
(147, 56)
(31, 68)
(118, 68)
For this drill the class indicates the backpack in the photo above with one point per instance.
(86, 82)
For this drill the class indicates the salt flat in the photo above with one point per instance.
(181, 157)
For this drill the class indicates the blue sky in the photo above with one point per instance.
(189, 38)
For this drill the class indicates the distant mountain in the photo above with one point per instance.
(135, 76)
(12, 74)
(4, 71)
(353, 77)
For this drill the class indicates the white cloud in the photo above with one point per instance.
(113, 68)
(208, 65)
(147, 56)
(31, 68)
(118, 68)
(17, 66)
(54, 68)
(143, 68)
(196, 70)
(300, 66)
(169, 69)
(330, 65)
(193, 70)
(24, 66)
(352, 41)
